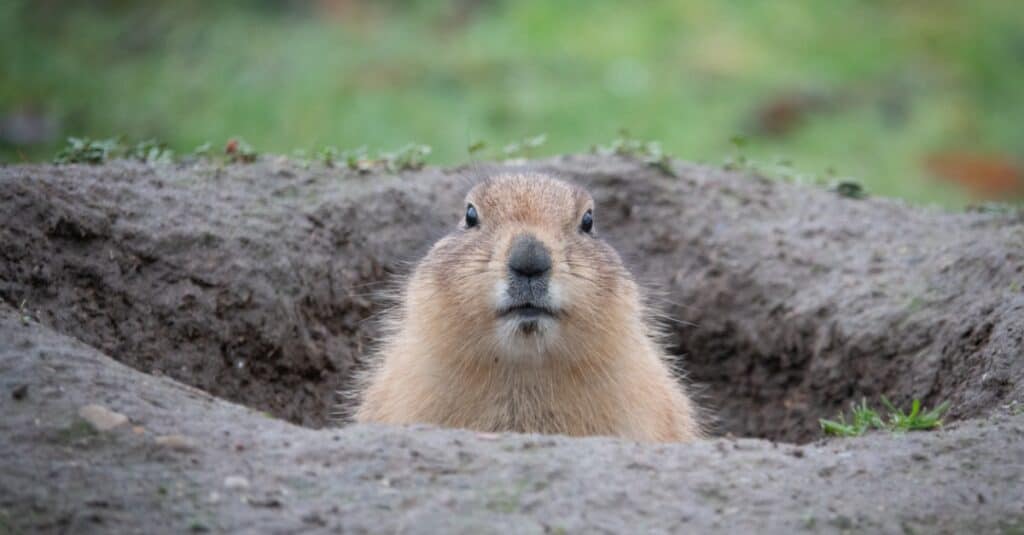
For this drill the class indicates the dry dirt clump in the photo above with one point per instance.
(259, 284)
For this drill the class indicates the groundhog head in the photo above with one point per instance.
(524, 277)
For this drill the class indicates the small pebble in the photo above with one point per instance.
(236, 482)
(102, 418)
(176, 442)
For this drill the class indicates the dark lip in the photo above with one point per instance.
(527, 310)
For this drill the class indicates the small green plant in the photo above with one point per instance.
(996, 207)
(150, 151)
(475, 147)
(780, 168)
(328, 155)
(917, 419)
(301, 158)
(525, 147)
(410, 157)
(648, 152)
(87, 150)
(237, 150)
(26, 314)
(357, 159)
(849, 189)
(202, 151)
(864, 418)
(96, 151)
(737, 160)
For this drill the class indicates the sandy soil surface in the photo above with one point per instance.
(172, 294)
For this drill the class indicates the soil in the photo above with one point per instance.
(166, 293)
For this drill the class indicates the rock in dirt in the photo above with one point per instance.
(236, 483)
(176, 442)
(102, 418)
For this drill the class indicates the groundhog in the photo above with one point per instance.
(523, 320)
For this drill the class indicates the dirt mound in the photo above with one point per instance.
(189, 462)
(258, 283)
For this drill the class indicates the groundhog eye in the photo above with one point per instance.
(587, 223)
(472, 219)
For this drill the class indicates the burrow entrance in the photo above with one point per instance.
(272, 304)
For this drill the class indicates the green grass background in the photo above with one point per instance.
(914, 76)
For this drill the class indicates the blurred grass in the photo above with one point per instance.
(899, 79)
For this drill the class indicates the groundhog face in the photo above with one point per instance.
(524, 276)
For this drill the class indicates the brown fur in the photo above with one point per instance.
(598, 371)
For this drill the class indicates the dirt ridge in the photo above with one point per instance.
(241, 471)
(260, 283)
(169, 293)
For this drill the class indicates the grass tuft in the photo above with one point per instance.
(150, 151)
(917, 419)
(648, 152)
(238, 151)
(87, 150)
(526, 147)
(850, 189)
(408, 158)
(863, 418)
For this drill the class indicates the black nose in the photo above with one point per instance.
(528, 257)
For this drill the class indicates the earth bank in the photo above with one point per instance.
(258, 284)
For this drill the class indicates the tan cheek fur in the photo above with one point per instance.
(604, 375)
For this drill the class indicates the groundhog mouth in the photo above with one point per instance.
(526, 311)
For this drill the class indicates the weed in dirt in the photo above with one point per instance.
(238, 151)
(202, 151)
(521, 149)
(97, 151)
(917, 419)
(24, 312)
(87, 150)
(999, 208)
(150, 151)
(357, 159)
(525, 147)
(302, 159)
(408, 158)
(476, 147)
(648, 152)
(736, 161)
(782, 169)
(327, 155)
(864, 418)
(849, 189)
